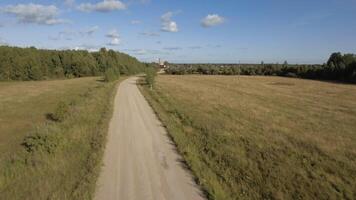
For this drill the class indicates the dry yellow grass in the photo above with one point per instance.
(263, 137)
(23, 105)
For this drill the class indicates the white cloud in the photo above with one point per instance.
(310, 19)
(90, 48)
(103, 6)
(113, 34)
(34, 13)
(145, 1)
(70, 35)
(151, 34)
(2, 42)
(115, 42)
(69, 2)
(141, 52)
(195, 47)
(115, 38)
(135, 22)
(172, 48)
(168, 25)
(167, 16)
(214, 45)
(90, 31)
(212, 20)
(63, 35)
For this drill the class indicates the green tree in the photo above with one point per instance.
(151, 73)
(111, 74)
(36, 64)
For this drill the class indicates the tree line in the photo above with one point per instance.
(37, 64)
(339, 67)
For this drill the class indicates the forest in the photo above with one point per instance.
(339, 67)
(36, 64)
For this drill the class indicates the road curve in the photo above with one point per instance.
(140, 161)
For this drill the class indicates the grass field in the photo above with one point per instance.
(45, 159)
(23, 105)
(262, 137)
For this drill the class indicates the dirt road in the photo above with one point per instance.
(140, 161)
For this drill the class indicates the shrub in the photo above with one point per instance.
(38, 142)
(60, 112)
(291, 74)
(111, 74)
(151, 73)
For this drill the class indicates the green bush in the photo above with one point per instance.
(60, 112)
(151, 73)
(111, 74)
(38, 142)
(291, 74)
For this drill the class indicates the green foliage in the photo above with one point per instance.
(339, 67)
(61, 112)
(34, 64)
(151, 73)
(41, 142)
(111, 74)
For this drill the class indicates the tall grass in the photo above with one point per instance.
(262, 137)
(61, 159)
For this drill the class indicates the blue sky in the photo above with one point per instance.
(230, 31)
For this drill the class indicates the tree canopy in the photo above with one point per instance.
(37, 64)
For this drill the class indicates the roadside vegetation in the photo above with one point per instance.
(52, 137)
(256, 137)
(339, 68)
(151, 74)
(111, 74)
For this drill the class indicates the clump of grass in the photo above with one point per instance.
(60, 112)
(245, 138)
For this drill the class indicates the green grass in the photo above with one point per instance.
(46, 159)
(262, 137)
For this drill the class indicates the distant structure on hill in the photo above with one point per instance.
(162, 63)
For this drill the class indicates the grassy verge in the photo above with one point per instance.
(262, 137)
(60, 158)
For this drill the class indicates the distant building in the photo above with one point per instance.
(161, 63)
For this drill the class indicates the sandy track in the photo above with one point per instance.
(140, 161)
